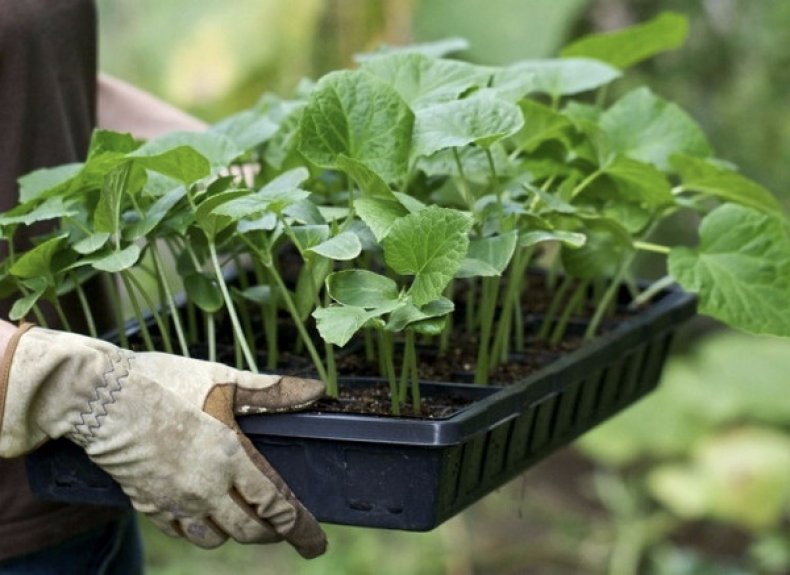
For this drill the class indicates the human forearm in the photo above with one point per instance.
(125, 108)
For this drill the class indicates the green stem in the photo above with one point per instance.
(385, 349)
(576, 300)
(115, 301)
(487, 311)
(551, 312)
(86, 309)
(171, 302)
(211, 336)
(64, 321)
(305, 337)
(416, 400)
(464, 187)
(651, 247)
(585, 182)
(651, 291)
(513, 293)
(606, 300)
(234, 319)
(149, 345)
(160, 322)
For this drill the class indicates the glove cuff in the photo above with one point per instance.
(5, 367)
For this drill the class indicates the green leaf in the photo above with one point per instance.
(203, 290)
(50, 209)
(91, 244)
(481, 120)
(108, 142)
(488, 256)
(604, 250)
(306, 237)
(434, 49)
(155, 214)
(422, 81)
(277, 195)
(740, 270)
(39, 182)
(541, 123)
(337, 324)
(24, 305)
(214, 148)
(430, 245)
(645, 127)
(304, 212)
(107, 217)
(247, 129)
(640, 182)
(183, 163)
(407, 313)
(571, 239)
(357, 115)
(361, 288)
(118, 261)
(37, 261)
(260, 294)
(209, 215)
(342, 247)
(702, 176)
(629, 46)
(556, 77)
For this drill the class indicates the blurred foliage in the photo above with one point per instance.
(705, 456)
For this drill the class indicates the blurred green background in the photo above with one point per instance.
(692, 480)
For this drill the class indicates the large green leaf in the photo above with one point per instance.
(37, 262)
(337, 324)
(541, 123)
(203, 290)
(356, 114)
(49, 209)
(209, 216)
(378, 207)
(628, 46)
(421, 80)
(39, 182)
(107, 217)
(407, 313)
(645, 127)
(342, 247)
(277, 195)
(488, 257)
(24, 305)
(429, 245)
(215, 148)
(604, 250)
(247, 129)
(434, 49)
(182, 163)
(481, 120)
(701, 176)
(155, 214)
(740, 270)
(556, 77)
(361, 288)
(640, 183)
(534, 237)
(117, 261)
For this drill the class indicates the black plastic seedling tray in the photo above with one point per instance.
(414, 474)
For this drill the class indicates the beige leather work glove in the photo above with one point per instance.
(163, 427)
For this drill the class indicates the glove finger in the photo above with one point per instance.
(204, 532)
(274, 502)
(259, 394)
(237, 519)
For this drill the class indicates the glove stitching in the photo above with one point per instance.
(112, 381)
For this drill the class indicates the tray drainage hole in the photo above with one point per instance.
(395, 510)
(360, 506)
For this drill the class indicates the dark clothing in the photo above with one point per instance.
(47, 112)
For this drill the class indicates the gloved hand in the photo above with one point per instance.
(163, 427)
